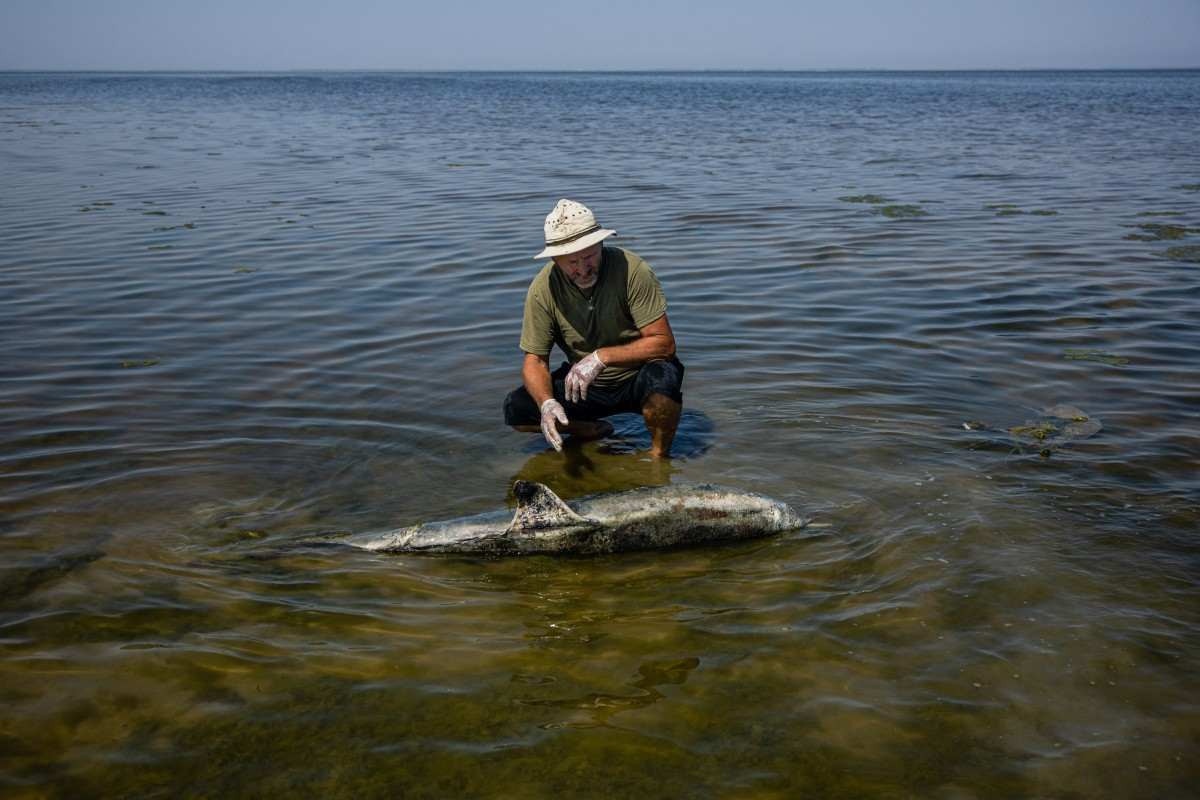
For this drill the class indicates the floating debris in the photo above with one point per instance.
(1159, 214)
(873, 199)
(1189, 187)
(1073, 354)
(902, 211)
(139, 363)
(154, 213)
(1044, 212)
(243, 270)
(1188, 252)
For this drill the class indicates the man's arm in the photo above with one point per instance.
(656, 342)
(535, 373)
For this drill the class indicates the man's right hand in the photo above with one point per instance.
(552, 410)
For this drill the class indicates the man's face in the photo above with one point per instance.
(581, 267)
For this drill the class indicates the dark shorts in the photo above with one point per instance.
(655, 377)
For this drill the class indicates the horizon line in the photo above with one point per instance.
(549, 71)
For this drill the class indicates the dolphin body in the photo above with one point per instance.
(640, 519)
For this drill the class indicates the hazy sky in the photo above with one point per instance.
(597, 34)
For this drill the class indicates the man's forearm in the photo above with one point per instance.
(535, 374)
(637, 352)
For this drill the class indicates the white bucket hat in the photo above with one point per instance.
(571, 227)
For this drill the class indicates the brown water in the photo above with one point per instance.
(238, 312)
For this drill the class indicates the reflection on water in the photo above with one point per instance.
(953, 317)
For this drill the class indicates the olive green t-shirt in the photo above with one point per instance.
(626, 298)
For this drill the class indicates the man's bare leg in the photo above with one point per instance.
(662, 418)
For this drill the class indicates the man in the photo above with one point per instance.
(605, 310)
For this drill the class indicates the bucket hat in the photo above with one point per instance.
(571, 227)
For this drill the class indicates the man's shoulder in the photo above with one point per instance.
(628, 261)
(541, 281)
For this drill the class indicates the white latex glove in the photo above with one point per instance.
(581, 376)
(552, 410)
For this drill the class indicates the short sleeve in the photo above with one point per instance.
(646, 299)
(537, 324)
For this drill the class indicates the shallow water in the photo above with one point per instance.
(238, 311)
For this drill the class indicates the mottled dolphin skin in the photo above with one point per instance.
(640, 519)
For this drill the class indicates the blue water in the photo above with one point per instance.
(241, 310)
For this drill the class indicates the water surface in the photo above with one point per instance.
(238, 311)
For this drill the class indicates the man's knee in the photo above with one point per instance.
(519, 410)
(661, 377)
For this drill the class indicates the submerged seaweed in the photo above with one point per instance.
(873, 199)
(1072, 354)
(1188, 252)
(902, 211)
(1158, 232)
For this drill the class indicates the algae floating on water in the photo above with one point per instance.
(1158, 232)
(873, 199)
(139, 363)
(1072, 354)
(1188, 252)
(1035, 430)
(902, 211)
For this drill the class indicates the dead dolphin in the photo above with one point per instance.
(640, 519)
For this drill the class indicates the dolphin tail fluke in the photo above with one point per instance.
(538, 508)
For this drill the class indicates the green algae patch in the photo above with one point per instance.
(1044, 212)
(1055, 428)
(1009, 212)
(1100, 357)
(999, 206)
(1159, 214)
(242, 269)
(872, 199)
(1159, 232)
(1189, 187)
(902, 211)
(1038, 430)
(1188, 252)
(139, 363)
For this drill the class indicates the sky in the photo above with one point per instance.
(597, 35)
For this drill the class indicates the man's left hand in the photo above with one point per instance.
(581, 376)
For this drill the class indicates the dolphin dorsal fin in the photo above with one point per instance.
(538, 508)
